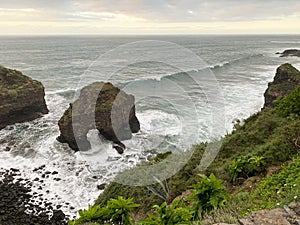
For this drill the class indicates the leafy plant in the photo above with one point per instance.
(164, 193)
(176, 213)
(93, 213)
(117, 211)
(281, 188)
(208, 194)
(245, 166)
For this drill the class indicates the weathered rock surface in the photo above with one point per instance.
(21, 98)
(290, 52)
(287, 78)
(103, 107)
(287, 216)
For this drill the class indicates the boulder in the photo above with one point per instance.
(266, 217)
(21, 98)
(286, 216)
(287, 78)
(290, 52)
(100, 106)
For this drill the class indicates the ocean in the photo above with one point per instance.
(188, 89)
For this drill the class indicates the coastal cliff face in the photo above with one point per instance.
(21, 98)
(287, 78)
(103, 107)
(267, 135)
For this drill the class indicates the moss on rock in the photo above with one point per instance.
(21, 98)
(287, 78)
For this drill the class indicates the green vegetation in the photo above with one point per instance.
(279, 189)
(117, 211)
(290, 104)
(176, 213)
(13, 79)
(178, 183)
(243, 169)
(291, 71)
(287, 80)
(13, 83)
(208, 194)
(273, 191)
(245, 166)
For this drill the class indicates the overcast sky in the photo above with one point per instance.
(149, 17)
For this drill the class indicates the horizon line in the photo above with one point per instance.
(179, 34)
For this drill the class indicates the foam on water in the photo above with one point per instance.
(243, 70)
(33, 145)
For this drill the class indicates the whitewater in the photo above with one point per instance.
(242, 66)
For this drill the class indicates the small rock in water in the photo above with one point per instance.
(120, 147)
(101, 186)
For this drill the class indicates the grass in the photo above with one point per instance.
(269, 135)
(266, 134)
(272, 192)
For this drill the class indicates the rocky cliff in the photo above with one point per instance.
(103, 107)
(21, 98)
(287, 78)
(290, 52)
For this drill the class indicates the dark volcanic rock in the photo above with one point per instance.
(287, 78)
(21, 98)
(103, 107)
(17, 207)
(101, 186)
(290, 52)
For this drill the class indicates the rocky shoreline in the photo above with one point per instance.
(19, 206)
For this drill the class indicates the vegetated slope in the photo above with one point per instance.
(250, 162)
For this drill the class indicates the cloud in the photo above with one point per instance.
(151, 16)
(166, 10)
(202, 10)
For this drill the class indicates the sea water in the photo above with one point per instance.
(175, 115)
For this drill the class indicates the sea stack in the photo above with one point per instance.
(287, 78)
(21, 98)
(100, 106)
(290, 52)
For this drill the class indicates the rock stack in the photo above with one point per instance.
(100, 106)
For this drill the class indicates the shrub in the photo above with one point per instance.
(245, 166)
(117, 211)
(208, 194)
(290, 104)
(176, 213)
(93, 213)
(279, 189)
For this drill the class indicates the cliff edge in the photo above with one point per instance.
(287, 78)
